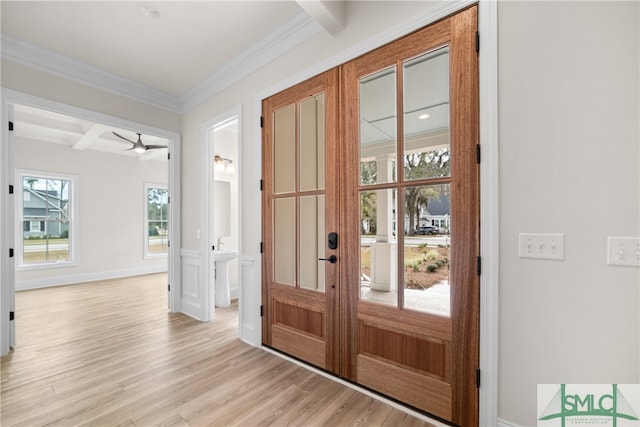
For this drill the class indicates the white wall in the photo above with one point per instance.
(110, 211)
(569, 163)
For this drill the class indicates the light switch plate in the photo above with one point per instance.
(541, 246)
(623, 251)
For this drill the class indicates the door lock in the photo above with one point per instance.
(332, 240)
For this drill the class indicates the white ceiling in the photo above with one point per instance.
(172, 51)
(167, 53)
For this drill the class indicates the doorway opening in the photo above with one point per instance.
(221, 201)
(85, 201)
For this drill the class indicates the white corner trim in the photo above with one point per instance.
(489, 211)
(45, 60)
(294, 32)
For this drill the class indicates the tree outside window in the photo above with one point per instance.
(157, 221)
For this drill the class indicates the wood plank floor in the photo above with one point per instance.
(109, 354)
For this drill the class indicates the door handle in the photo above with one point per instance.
(332, 259)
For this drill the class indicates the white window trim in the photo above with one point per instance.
(73, 220)
(145, 230)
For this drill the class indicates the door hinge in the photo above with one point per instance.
(479, 265)
(261, 121)
(478, 378)
(262, 185)
(261, 247)
(10, 252)
(169, 287)
(10, 189)
(478, 153)
(261, 310)
(10, 126)
(168, 156)
(477, 41)
(168, 200)
(12, 316)
(168, 243)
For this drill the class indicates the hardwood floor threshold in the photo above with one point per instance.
(435, 422)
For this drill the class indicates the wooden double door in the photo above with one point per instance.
(371, 220)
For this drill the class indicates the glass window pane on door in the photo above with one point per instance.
(312, 242)
(378, 130)
(378, 246)
(284, 246)
(426, 116)
(427, 250)
(284, 150)
(312, 143)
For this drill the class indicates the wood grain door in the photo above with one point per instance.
(300, 210)
(411, 219)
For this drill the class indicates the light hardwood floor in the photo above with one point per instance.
(109, 354)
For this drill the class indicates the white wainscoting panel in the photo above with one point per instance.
(190, 297)
(249, 308)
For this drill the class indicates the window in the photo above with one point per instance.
(46, 211)
(156, 220)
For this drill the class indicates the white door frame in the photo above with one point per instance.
(7, 225)
(7, 270)
(207, 278)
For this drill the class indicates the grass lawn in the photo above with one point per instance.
(52, 241)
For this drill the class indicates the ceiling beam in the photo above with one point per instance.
(329, 14)
(89, 137)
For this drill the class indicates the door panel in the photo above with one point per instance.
(300, 200)
(411, 330)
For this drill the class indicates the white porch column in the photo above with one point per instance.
(383, 250)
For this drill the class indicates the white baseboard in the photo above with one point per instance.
(72, 279)
(504, 423)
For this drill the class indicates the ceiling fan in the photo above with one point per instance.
(138, 146)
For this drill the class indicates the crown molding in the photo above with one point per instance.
(292, 33)
(289, 35)
(25, 53)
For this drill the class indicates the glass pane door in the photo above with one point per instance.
(300, 200)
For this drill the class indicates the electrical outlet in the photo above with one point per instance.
(623, 251)
(541, 246)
